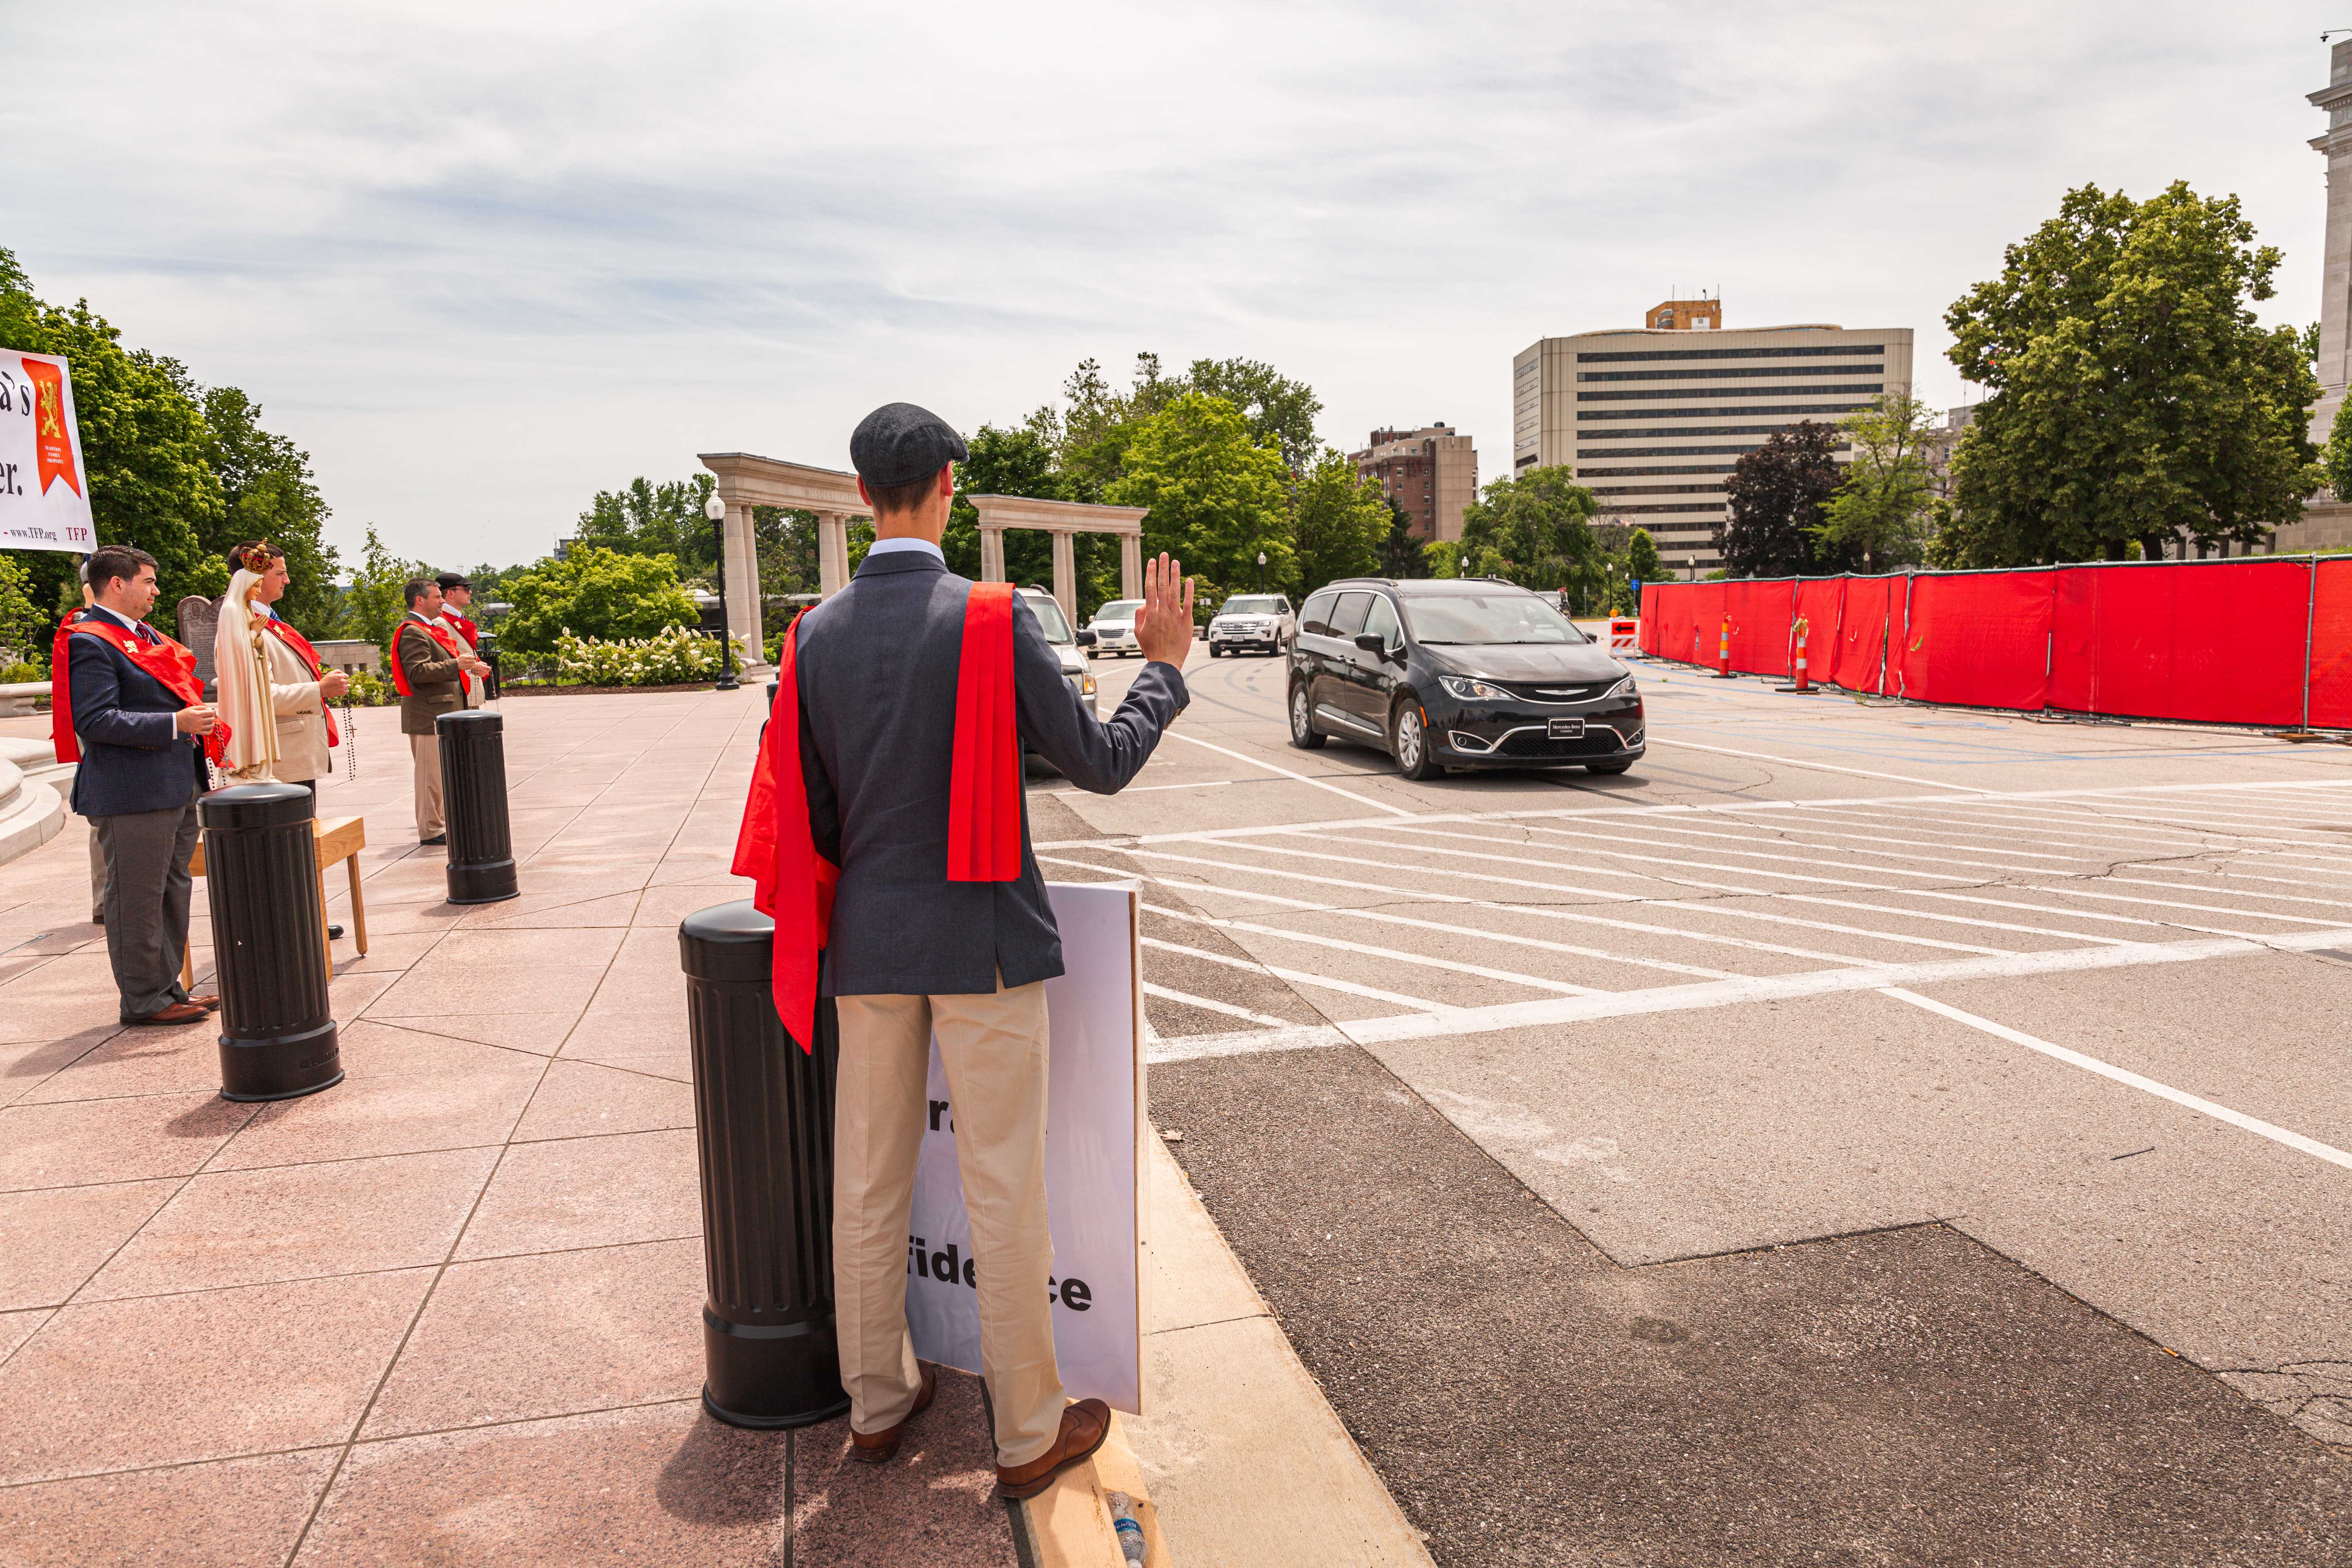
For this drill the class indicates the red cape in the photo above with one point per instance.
(169, 662)
(793, 885)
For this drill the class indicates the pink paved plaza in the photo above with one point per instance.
(448, 1312)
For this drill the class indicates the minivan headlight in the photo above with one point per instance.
(1624, 687)
(1466, 686)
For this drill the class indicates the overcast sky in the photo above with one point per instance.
(484, 259)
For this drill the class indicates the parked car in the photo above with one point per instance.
(1262, 621)
(1114, 627)
(1459, 673)
(1072, 646)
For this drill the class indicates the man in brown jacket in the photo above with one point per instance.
(429, 670)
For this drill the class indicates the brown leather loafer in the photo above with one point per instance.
(876, 1446)
(177, 1013)
(209, 1004)
(1084, 1426)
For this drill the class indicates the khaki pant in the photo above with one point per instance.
(425, 751)
(995, 1050)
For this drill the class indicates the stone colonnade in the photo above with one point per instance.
(747, 480)
(1065, 519)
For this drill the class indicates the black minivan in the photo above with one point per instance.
(1458, 673)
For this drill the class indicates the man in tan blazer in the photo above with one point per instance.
(428, 669)
(299, 693)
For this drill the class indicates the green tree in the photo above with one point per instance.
(1215, 498)
(2338, 457)
(1281, 411)
(375, 602)
(1340, 524)
(1774, 501)
(1641, 561)
(1016, 462)
(643, 518)
(267, 492)
(1877, 517)
(2133, 396)
(1401, 553)
(1533, 530)
(597, 593)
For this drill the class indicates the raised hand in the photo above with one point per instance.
(1163, 624)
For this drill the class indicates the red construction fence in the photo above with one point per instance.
(2266, 640)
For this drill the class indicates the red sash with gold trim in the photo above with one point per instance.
(302, 649)
(171, 664)
(438, 634)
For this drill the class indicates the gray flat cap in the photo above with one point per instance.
(899, 442)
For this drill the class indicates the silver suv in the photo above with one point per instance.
(1261, 621)
(1066, 643)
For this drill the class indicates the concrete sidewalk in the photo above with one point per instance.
(448, 1312)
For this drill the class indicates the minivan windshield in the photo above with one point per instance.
(1255, 605)
(1048, 611)
(1120, 610)
(1468, 619)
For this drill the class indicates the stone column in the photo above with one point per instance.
(1130, 566)
(832, 552)
(991, 556)
(744, 623)
(1065, 576)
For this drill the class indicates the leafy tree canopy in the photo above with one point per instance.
(2132, 395)
(598, 593)
(643, 518)
(1401, 555)
(2338, 456)
(1775, 495)
(1216, 497)
(268, 492)
(375, 601)
(1532, 530)
(1877, 518)
(1341, 525)
(1642, 560)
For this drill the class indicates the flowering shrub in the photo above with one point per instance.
(370, 689)
(670, 657)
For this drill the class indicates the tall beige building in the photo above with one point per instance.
(1653, 419)
(1432, 473)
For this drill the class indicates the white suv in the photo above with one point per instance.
(1262, 621)
(1114, 627)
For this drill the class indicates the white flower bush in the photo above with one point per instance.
(671, 657)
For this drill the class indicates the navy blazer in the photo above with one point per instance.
(133, 757)
(877, 667)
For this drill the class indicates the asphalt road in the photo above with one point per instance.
(1860, 1134)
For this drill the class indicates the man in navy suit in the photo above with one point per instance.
(914, 950)
(143, 767)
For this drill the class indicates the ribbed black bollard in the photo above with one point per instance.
(474, 803)
(270, 942)
(763, 1127)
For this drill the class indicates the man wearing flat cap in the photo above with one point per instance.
(911, 693)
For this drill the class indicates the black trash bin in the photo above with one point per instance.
(277, 1036)
(763, 1131)
(474, 805)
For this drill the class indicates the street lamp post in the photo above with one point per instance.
(1261, 571)
(716, 510)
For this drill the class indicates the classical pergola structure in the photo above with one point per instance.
(1065, 519)
(746, 480)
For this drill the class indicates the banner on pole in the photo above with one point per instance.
(1094, 1167)
(44, 486)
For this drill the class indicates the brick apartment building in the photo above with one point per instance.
(1432, 473)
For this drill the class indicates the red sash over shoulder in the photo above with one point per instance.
(438, 634)
(793, 885)
(303, 650)
(172, 665)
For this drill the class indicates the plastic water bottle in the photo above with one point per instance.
(1122, 1520)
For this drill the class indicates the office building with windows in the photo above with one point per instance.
(1432, 473)
(1653, 419)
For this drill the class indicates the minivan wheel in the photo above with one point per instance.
(1303, 733)
(1409, 742)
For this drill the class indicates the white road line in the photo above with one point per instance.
(1817, 983)
(1387, 954)
(1188, 1000)
(1242, 1043)
(1838, 843)
(1383, 917)
(1538, 910)
(1286, 773)
(1657, 740)
(2277, 1135)
(1301, 977)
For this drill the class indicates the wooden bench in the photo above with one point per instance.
(339, 839)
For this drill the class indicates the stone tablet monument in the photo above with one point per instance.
(199, 618)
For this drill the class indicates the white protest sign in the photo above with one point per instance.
(44, 487)
(1094, 1124)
